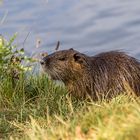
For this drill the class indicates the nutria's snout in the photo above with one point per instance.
(42, 62)
(45, 63)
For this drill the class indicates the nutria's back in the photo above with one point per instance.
(99, 76)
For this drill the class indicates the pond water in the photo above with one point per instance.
(90, 26)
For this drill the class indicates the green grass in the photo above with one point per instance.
(37, 109)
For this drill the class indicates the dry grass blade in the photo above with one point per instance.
(4, 17)
(38, 43)
(57, 46)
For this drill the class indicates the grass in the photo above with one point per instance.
(37, 109)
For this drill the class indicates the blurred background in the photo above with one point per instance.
(90, 26)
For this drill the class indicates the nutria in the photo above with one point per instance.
(103, 75)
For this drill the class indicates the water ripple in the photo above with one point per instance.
(88, 26)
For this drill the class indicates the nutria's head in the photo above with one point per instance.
(64, 65)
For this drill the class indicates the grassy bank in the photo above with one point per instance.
(37, 109)
(34, 108)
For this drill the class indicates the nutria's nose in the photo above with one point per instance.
(42, 62)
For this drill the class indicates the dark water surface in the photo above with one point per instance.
(90, 26)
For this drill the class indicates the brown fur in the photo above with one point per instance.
(99, 76)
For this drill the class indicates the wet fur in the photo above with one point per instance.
(101, 76)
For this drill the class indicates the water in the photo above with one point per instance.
(90, 26)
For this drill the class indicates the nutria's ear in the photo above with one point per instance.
(78, 58)
(71, 49)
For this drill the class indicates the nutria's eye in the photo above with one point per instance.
(62, 59)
